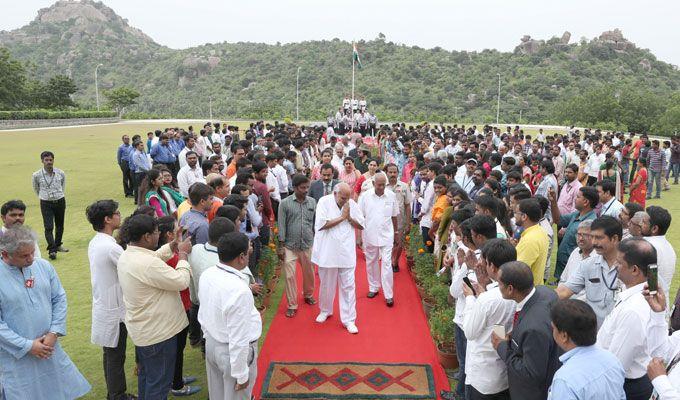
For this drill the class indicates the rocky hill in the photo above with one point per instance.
(258, 80)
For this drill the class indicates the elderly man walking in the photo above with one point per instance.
(334, 251)
(32, 319)
(380, 210)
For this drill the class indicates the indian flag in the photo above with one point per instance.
(355, 55)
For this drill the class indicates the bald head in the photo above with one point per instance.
(379, 182)
(342, 193)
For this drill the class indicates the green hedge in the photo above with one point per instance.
(55, 114)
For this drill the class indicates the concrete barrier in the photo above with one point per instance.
(43, 123)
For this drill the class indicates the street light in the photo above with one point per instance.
(96, 83)
(498, 104)
(297, 95)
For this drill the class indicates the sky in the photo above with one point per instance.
(452, 25)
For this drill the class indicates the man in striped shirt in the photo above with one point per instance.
(656, 159)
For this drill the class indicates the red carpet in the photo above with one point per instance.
(386, 335)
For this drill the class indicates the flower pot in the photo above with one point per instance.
(267, 297)
(428, 305)
(446, 353)
(271, 285)
(262, 309)
(451, 301)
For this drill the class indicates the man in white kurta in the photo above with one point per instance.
(379, 207)
(334, 251)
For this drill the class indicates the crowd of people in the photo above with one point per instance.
(491, 206)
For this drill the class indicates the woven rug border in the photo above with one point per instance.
(270, 371)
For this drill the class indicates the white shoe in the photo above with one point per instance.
(351, 328)
(322, 317)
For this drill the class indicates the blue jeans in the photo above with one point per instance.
(675, 167)
(461, 347)
(654, 176)
(156, 369)
(625, 168)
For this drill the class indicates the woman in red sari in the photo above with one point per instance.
(638, 189)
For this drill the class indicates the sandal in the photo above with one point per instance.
(290, 313)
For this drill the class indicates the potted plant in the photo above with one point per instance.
(442, 329)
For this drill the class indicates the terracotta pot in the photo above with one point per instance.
(428, 305)
(262, 309)
(447, 356)
(267, 298)
(271, 285)
(451, 301)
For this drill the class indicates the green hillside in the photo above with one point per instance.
(251, 80)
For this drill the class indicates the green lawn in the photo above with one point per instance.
(88, 156)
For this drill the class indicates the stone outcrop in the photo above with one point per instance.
(528, 45)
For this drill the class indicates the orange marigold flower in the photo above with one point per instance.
(429, 243)
(421, 251)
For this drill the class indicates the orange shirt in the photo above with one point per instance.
(217, 203)
(231, 170)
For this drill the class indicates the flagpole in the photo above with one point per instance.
(351, 104)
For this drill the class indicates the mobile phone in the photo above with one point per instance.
(467, 282)
(499, 330)
(653, 278)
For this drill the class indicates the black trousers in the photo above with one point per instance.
(127, 178)
(638, 389)
(114, 367)
(178, 379)
(53, 212)
(137, 181)
(195, 333)
(472, 394)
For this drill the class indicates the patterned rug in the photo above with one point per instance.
(357, 381)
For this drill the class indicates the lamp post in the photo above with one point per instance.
(210, 107)
(96, 83)
(297, 95)
(498, 104)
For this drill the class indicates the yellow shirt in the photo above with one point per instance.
(439, 206)
(153, 307)
(532, 249)
(182, 208)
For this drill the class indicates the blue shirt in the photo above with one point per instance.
(568, 243)
(26, 314)
(588, 373)
(197, 226)
(162, 154)
(140, 162)
(123, 153)
(176, 145)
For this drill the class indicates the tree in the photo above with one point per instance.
(12, 80)
(58, 91)
(120, 98)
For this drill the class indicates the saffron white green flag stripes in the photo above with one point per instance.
(355, 55)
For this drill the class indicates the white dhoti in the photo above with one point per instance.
(334, 251)
(379, 269)
(343, 280)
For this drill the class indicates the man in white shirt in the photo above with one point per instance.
(281, 176)
(334, 251)
(380, 212)
(654, 225)
(580, 254)
(189, 174)
(486, 374)
(609, 204)
(595, 160)
(189, 147)
(624, 331)
(428, 203)
(231, 323)
(108, 309)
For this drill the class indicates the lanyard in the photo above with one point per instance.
(609, 285)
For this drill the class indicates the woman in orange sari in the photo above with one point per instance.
(638, 189)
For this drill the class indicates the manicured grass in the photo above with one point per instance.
(88, 156)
